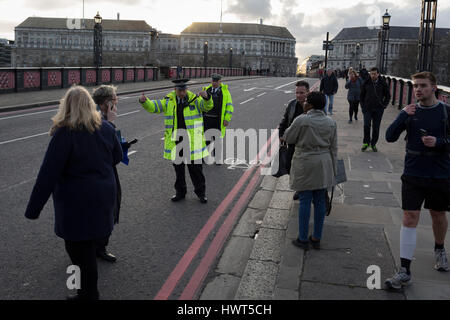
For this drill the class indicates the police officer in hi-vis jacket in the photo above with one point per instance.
(184, 141)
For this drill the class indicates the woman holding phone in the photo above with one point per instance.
(106, 99)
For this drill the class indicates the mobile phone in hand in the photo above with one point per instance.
(423, 132)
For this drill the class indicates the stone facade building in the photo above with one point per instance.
(47, 42)
(249, 46)
(57, 42)
(5, 53)
(360, 47)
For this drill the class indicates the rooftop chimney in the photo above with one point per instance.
(118, 16)
(260, 21)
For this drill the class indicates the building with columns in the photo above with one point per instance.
(55, 42)
(58, 42)
(239, 45)
(360, 47)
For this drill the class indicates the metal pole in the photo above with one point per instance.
(326, 51)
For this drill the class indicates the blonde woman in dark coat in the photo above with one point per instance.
(78, 171)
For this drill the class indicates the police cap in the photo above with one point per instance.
(180, 83)
(216, 76)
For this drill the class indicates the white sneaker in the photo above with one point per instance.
(398, 280)
(441, 260)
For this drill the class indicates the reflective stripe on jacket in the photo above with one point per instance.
(192, 117)
(227, 107)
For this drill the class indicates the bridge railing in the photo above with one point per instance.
(202, 72)
(31, 79)
(402, 92)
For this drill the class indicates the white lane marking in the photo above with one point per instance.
(247, 100)
(28, 114)
(125, 114)
(24, 138)
(17, 185)
(247, 90)
(284, 85)
(260, 95)
(132, 152)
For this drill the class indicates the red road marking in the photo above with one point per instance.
(202, 270)
(186, 260)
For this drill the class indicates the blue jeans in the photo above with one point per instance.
(330, 99)
(304, 212)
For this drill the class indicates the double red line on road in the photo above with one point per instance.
(218, 241)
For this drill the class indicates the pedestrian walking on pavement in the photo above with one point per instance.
(329, 87)
(314, 165)
(293, 110)
(183, 111)
(374, 99)
(78, 171)
(220, 115)
(106, 99)
(426, 175)
(354, 92)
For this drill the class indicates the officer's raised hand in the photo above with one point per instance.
(143, 98)
(204, 95)
(410, 109)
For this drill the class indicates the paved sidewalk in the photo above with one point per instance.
(260, 263)
(32, 99)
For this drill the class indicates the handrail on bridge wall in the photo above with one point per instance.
(402, 93)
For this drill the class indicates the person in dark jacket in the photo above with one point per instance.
(354, 91)
(293, 110)
(426, 175)
(78, 171)
(105, 97)
(329, 87)
(374, 99)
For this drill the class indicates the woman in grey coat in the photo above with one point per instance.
(353, 85)
(314, 165)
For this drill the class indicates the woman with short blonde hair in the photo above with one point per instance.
(78, 171)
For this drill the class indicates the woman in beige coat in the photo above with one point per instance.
(314, 165)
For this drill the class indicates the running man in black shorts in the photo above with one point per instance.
(426, 175)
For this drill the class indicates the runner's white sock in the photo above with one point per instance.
(408, 238)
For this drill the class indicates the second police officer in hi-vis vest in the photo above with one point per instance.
(184, 141)
(220, 116)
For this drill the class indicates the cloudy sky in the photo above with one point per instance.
(307, 20)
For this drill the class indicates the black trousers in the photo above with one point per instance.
(353, 109)
(372, 118)
(101, 244)
(212, 123)
(197, 177)
(83, 255)
(290, 154)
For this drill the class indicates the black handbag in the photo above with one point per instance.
(341, 177)
(282, 161)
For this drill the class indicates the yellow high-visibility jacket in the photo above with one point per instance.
(227, 107)
(193, 118)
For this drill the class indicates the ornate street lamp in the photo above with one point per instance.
(385, 42)
(205, 54)
(98, 41)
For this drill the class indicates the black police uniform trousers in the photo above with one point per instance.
(196, 173)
